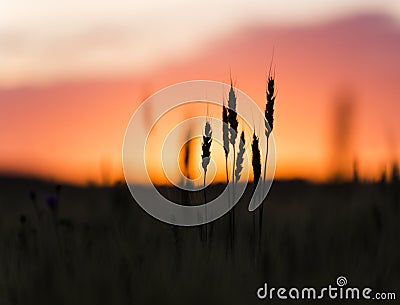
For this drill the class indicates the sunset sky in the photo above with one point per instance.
(73, 73)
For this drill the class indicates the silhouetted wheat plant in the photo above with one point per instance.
(239, 159)
(225, 136)
(269, 125)
(233, 129)
(206, 155)
(269, 114)
(256, 164)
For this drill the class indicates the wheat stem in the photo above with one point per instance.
(206, 155)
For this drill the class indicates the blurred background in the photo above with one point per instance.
(72, 73)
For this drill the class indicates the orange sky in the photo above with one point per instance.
(73, 131)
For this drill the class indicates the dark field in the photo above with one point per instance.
(94, 245)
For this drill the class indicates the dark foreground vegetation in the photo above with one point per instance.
(94, 245)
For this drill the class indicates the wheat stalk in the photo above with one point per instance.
(232, 116)
(269, 114)
(206, 155)
(256, 159)
(225, 132)
(239, 159)
(233, 128)
(269, 107)
(225, 136)
(269, 125)
(256, 164)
